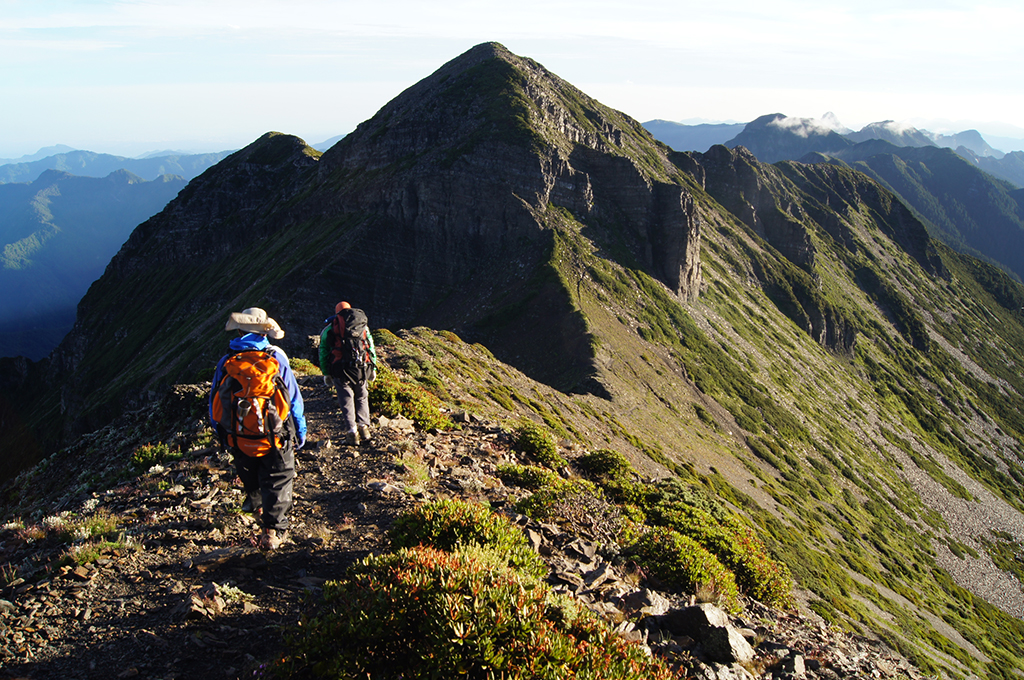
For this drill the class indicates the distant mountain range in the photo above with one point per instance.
(63, 214)
(58, 233)
(701, 137)
(42, 153)
(967, 193)
(92, 164)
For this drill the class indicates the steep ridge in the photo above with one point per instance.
(787, 337)
(470, 161)
(965, 200)
(966, 207)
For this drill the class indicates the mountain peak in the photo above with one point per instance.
(489, 96)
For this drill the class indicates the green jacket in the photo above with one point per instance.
(326, 346)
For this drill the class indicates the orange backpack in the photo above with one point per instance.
(250, 404)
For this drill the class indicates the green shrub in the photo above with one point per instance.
(425, 613)
(384, 338)
(527, 476)
(393, 397)
(625, 491)
(303, 366)
(679, 561)
(578, 506)
(534, 441)
(547, 501)
(604, 462)
(736, 546)
(148, 455)
(614, 474)
(204, 374)
(450, 524)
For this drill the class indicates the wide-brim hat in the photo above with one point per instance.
(254, 320)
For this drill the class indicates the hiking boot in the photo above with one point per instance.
(253, 503)
(364, 433)
(352, 438)
(272, 539)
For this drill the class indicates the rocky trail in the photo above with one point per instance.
(194, 597)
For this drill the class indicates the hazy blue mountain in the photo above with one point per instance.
(327, 143)
(968, 139)
(681, 137)
(776, 137)
(905, 135)
(164, 152)
(42, 153)
(58, 234)
(894, 133)
(90, 164)
(1005, 144)
(969, 144)
(964, 198)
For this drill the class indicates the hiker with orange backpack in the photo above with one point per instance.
(259, 416)
(348, 359)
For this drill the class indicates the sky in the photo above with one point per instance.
(131, 77)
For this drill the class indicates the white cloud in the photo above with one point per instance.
(803, 127)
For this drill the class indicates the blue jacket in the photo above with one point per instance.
(257, 341)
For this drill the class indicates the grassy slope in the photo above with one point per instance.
(861, 469)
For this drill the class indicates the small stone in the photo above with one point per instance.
(794, 664)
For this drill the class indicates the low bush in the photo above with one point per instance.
(562, 494)
(736, 546)
(426, 613)
(451, 524)
(578, 506)
(394, 397)
(148, 455)
(615, 475)
(303, 366)
(529, 477)
(384, 338)
(679, 561)
(604, 462)
(531, 439)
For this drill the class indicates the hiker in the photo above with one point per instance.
(348, 359)
(257, 411)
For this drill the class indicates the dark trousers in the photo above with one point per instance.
(271, 478)
(353, 398)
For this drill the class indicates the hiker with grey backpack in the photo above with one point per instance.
(348, 360)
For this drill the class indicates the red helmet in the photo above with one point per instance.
(341, 305)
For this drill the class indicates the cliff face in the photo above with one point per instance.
(461, 168)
